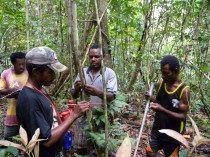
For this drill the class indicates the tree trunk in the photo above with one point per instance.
(40, 22)
(69, 15)
(104, 83)
(141, 49)
(88, 24)
(104, 31)
(61, 28)
(27, 25)
(77, 60)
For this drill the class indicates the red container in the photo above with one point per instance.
(71, 106)
(64, 115)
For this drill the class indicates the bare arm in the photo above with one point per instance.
(58, 132)
(92, 90)
(183, 107)
(8, 91)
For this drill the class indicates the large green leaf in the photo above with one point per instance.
(3, 152)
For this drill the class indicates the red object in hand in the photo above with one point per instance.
(71, 107)
(64, 115)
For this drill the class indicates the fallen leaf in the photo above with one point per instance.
(125, 148)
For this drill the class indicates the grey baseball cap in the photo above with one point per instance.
(45, 55)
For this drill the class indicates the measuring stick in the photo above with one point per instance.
(143, 121)
(91, 104)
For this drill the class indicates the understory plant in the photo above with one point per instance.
(197, 139)
(31, 148)
(116, 108)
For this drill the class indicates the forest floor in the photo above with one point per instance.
(131, 126)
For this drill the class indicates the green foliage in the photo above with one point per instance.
(76, 155)
(9, 150)
(183, 153)
(115, 134)
(99, 138)
(118, 104)
(115, 137)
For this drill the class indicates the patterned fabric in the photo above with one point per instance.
(9, 80)
(80, 133)
(44, 55)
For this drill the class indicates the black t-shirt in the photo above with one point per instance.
(35, 111)
(170, 101)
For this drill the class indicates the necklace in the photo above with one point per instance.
(48, 99)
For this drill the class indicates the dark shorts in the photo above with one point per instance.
(10, 131)
(156, 144)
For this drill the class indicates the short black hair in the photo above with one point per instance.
(30, 66)
(172, 61)
(16, 55)
(97, 46)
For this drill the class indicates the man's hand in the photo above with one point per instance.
(156, 107)
(148, 96)
(80, 109)
(78, 86)
(8, 91)
(92, 90)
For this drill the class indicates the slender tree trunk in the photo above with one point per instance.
(40, 29)
(141, 49)
(87, 28)
(69, 15)
(195, 34)
(61, 28)
(94, 34)
(27, 25)
(68, 75)
(152, 49)
(164, 32)
(104, 82)
(104, 28)
(75, 49)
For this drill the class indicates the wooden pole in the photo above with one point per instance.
(104, 83)
(143, 121)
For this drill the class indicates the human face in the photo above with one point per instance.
(95, 59)
(168, 75)
(19, 65)
(47, 77)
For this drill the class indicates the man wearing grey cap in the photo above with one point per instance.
(35, 108)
